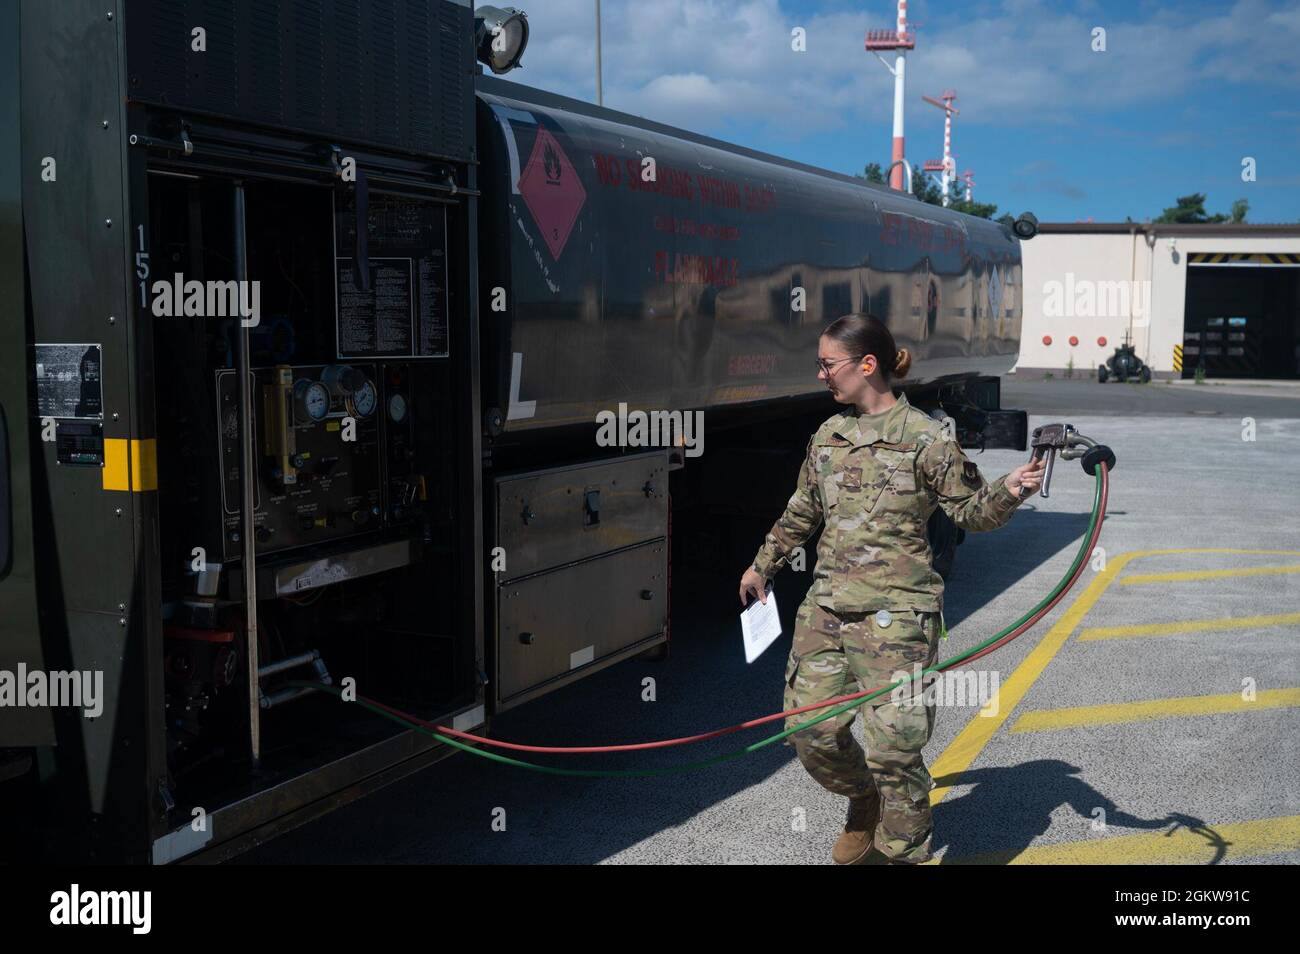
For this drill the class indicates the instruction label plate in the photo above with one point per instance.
(68, 381)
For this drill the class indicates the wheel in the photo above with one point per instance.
(1145, 376)
(1101, 374)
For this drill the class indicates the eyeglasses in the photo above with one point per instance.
(828, 366)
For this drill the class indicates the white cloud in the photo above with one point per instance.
(706, 64)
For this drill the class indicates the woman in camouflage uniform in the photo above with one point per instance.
(873, 474)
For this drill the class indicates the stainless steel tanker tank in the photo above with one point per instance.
(623, 260)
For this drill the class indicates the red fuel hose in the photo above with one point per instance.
(1099, 512)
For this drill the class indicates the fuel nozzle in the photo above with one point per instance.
(1051, 439)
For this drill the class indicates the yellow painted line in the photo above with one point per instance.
(971, 740)
(1134, 579)
(1236, 840)
(130, 465)
(1189, 626)
(1073, 717)
(1228, 550)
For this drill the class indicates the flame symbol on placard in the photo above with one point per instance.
(552, 162)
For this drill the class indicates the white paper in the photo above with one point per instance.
(760, 625)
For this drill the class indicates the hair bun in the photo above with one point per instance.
(902, 363)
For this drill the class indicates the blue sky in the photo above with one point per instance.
(1182, 94)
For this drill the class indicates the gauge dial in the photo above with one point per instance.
(342, 379)
(363, 400)
(312, 400)
(397, 408)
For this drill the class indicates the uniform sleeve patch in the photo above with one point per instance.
(970, 475)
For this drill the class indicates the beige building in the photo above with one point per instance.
(1227, 295)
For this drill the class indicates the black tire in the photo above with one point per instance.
(1145, 376)
(1101, 374)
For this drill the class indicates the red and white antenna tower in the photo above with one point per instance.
(899, 40)
(968, 177)
(947, 165)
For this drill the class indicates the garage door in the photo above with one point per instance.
(1242, 315)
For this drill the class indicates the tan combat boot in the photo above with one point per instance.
(859, 830)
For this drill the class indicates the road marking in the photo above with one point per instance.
(1213, 843)
(971, 740)
(1044, 720)
(1189, 626)
(1135, 579)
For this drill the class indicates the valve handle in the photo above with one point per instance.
(1046, 442)
(1051, 439)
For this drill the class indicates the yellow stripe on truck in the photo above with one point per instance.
(130, 465)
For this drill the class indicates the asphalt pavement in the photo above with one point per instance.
(1153, 716)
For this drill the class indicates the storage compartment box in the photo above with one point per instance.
(577, 618)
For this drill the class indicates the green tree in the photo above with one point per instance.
(872, 173)
(925, 189)
(1191, 209)
(1186, 208)
(957, 201)
(983, 210)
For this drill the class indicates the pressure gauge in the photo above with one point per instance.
(342, 379)
(397, 408)
(363, 400)
(311, 400)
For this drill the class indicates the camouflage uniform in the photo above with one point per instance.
(875, 604)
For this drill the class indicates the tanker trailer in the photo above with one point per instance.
(627, 266)
(681, 292)
(211, 510)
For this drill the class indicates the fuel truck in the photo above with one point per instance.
(311, 330)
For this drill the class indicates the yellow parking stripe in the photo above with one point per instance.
(971, 740)
(1236, 840)
(1044, 720)
(1134, 579)
(1189, 626)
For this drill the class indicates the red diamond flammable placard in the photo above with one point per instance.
(552, 191)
